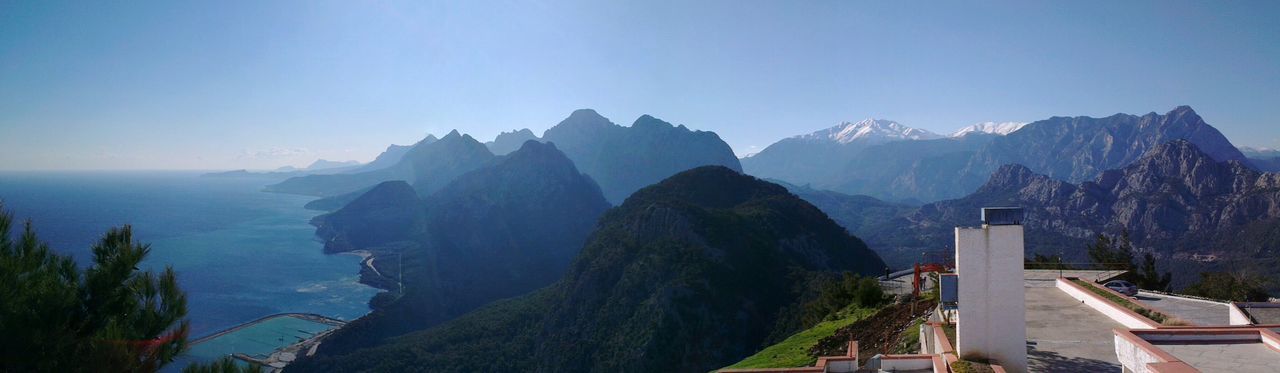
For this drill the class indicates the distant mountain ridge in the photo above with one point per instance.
(625, 159)
(620, 159)
(507, 142)
(427, 166)
(932, 170)
(689, 274)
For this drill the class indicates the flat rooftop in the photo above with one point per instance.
(1195, 311)
(1064, 335)
(1208, 349)
(1239, 357)
(1262, 314)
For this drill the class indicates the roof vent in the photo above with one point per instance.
(1002, 215)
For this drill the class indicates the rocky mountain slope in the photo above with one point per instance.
(687, 275)
(1175, 198)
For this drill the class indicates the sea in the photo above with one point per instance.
(239, 253)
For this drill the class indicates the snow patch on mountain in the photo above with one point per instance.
(870, 131)
(997, 128)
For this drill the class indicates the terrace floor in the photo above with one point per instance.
(1264, 315)
(1064, 335)
(1198, 312)
(1246, 357)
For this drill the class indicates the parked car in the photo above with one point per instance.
(1123, 287)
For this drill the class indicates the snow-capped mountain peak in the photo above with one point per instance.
(871, 131)
(996, 128)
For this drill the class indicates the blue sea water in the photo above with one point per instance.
(240, 253)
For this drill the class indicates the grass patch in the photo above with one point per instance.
(971, 366)
(794, 351)
(950, 331)
(1126, 303)
(910, 339)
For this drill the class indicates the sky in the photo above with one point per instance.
(262, 84)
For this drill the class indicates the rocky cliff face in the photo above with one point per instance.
(625, 159)
(1174, 198)
(687, 275)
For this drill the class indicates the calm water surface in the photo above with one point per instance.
(240, 253)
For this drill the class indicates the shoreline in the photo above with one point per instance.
(299, 315)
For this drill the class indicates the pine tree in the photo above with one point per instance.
(1149, 278)
(109, 318)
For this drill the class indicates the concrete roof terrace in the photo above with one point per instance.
(1064, 335)
(1194, 311)
(1210, 350)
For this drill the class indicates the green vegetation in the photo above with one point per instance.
(1238, 287)
(1126, 303)
(850, 290)
(690, 274)
(842, 301)
(1041, 261)
(971, 366)
(224, 365)
(909, 340)
(794, 351)
(1117, 254)
(109, 317)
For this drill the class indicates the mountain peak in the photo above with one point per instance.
(871, 131)
(1182, 110)
(585, 117)
(648, 121)
(578, 121)
(995, 128)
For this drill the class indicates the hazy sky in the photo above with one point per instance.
(260, 84)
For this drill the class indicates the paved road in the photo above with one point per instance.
(1066, 336)
(1195, 311)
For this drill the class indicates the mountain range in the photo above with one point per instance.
(935, 169)
(1264, 159)
(689, 274)
(621, 159)
(1175, 200)
(506, 228)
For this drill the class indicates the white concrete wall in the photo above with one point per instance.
(915, 363)
(926, 339)
(992, 298)
(842, 366)
(1115, 312)
(1133, 358)
(1236, 316)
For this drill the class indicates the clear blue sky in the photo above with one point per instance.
(260, 84)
